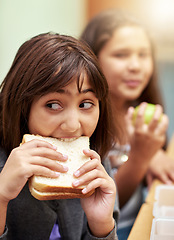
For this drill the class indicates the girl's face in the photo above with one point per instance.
(65, 113)
(126, 61)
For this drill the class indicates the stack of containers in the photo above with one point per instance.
(163, 212)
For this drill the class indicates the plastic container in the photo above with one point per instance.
(162, 229)
(164, 202)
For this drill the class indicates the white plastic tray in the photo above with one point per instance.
(162, 229)
(164, 202)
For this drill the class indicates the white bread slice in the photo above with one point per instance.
(44, 188)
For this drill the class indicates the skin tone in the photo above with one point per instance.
(63, 114)
(126, 61)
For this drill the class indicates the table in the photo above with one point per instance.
(143, 223)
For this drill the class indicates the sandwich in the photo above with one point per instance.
(45, 188)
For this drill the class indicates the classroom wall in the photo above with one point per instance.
(21, 19)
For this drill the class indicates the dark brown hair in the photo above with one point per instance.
(44, 64)
(100, 30)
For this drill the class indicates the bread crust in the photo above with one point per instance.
(57, 195)
(45, 188)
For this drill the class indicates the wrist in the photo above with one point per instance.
(101, 229)
(3, 200)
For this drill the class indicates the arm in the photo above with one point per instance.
(146, 141)
(129, 176)
(3, 212)
(99, 206)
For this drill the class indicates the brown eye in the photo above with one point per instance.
(86, 105)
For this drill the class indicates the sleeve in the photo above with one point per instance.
(4, 235)
(2, 162)
(107, 165)
(111, 236)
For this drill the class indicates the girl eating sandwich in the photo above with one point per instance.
(55, 88)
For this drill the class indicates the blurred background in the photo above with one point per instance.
(21, 20)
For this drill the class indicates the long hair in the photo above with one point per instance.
(100, 30)
(44, 64)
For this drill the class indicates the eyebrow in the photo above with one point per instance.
(127, 49)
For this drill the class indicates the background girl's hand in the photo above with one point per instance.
(34, 157)
(162, 168)
(147, 138)
(99, 206)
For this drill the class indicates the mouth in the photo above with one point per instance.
(68, 139)
(133, 83)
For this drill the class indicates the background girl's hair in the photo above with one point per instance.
(100, 30)
(44, 64)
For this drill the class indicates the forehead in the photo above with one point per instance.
(130, 35)
(78, 85)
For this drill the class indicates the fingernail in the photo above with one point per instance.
(65, 156)
(87, 150)
(84, 190)
(77, 173)
(169, 182)
(65, 168)
(56, 173)
(76, 183)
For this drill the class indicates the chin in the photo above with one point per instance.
(132, 96)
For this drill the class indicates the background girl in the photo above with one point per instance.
(126, 56)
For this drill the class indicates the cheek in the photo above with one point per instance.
(113, 71)
(32, 120)
(148, 69)
(34, 124)
(91, 124)
(39, 122)
(113, 68)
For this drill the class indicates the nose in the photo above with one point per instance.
(71, 122)
(134, 63)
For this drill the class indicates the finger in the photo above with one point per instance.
(92, 154)
(88, 166)
(38, 143)
(42, 171)
(170, 176)
(88, 177)
(156, 117)
(103, 183)
(129, 115)
(51, 164)
(165, 179)
(163, 125)
(139, 121)
(93, 185)
(48, 153)
(149, 179)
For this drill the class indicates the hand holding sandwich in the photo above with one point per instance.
(99, 206)
(35, 157)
